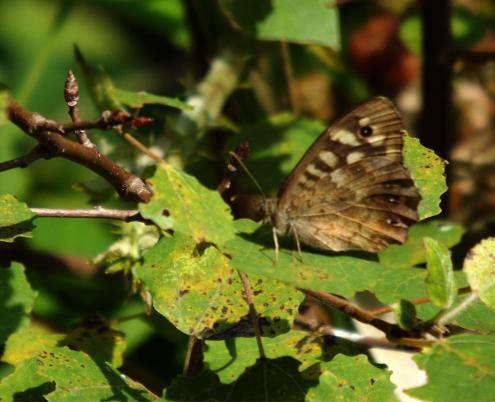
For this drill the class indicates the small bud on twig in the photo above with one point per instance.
(71, 90)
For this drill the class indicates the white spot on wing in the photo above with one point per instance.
(354, 157)
(346, 137)
(329, 158)
(312, 169)
(364, 121)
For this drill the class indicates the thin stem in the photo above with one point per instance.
(194, 357)
(252, 312)
(349, 309)
(139, 145)
(24, 160)
(289, 74)
(96, 212)
(419, 300)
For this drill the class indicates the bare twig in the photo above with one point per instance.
(71, 96)
(354, 337)
(24, 160)
(289, 73)
(390, 330)
(49, 135)
(96, 212)
(419, 300)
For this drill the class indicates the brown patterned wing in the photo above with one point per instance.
(350, 190)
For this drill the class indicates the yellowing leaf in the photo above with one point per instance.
(182, 203)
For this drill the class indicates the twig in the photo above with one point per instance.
(419, 300)
(139, 145)
(71, 96)
(328, 330)
(129, 186)
(390, 330)
(252, 312)
(96, 212)
(289, 74)
(24, 160)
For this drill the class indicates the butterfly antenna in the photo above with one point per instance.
(241, 164)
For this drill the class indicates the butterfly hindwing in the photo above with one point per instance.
(350, 190)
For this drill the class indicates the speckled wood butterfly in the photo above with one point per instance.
(350, 190)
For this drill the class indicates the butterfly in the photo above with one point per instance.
(350, 190)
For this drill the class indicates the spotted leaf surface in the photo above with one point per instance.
(201, 294)
(182, 203)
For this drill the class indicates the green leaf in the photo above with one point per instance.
(99, 340)
(479, 267)
(106, 96)
(201, 294)
(136, 238)
(27, 342)
(345, 378)
(16, 300)
(16, 219)
(141, 98)
(428, 172)
(252, 252)
(440, 281)
(311, 22)
(228, 359)
(405, 314)
(182, 203)
(459, 368)
(412, 252)
(476, 317)
(25, 384)
(76, 376)
(277, 145)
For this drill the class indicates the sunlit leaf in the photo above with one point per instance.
(16, 219)
(440, 281)
(345, 378)
(459, 368)
(141, 98)
(61, 374)
(182, 203)
(479, 267)
(199, 292)
(311, 22)
(412, 252)
(252, 252)
(428, 172)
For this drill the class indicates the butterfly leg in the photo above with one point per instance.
(275, 242)
(298, 243)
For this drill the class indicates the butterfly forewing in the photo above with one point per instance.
(350, 190)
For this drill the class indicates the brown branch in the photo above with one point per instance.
(49, 135)
(24, 160)
(96, 212)
(391, 330)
